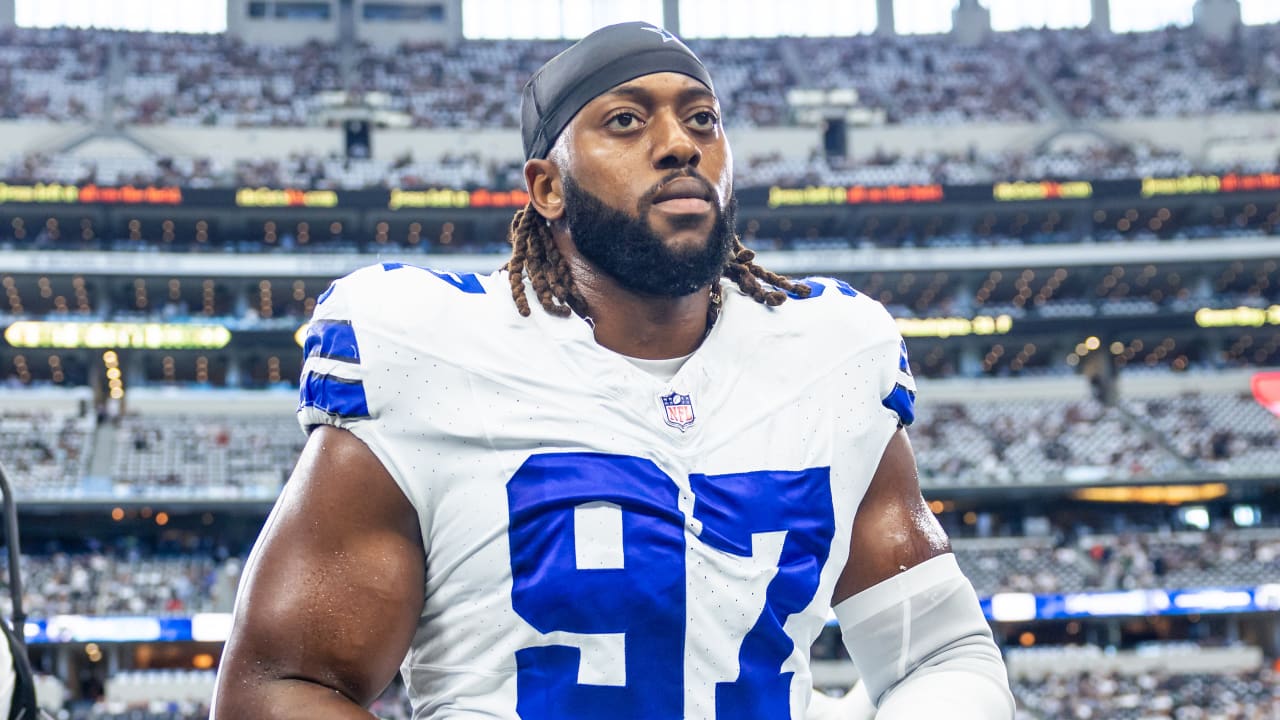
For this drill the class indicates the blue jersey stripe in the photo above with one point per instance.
(334, 339)
(466, 282)
(335, 395)
(327, 292)
(902, 401)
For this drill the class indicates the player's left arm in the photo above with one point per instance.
(910, 619)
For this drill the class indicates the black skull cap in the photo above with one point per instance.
(604, 59)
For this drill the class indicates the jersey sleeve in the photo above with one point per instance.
(880, 342)
(897, 386)
(348, 344)
(332, 387)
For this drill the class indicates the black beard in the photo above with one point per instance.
(628, 249)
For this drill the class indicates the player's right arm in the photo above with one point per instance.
(331, 594)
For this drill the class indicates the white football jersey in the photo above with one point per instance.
(602, 543)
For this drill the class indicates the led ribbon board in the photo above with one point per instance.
(60, 194)
(944, 327)
(118, 335)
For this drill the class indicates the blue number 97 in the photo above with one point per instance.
(644, 599)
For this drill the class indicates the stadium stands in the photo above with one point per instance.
(1151, 696)
(205, 456)
(215, 80)
(468, 86)
(1158, 693)
(158, 710)
(751, 78)
(46, 452)
(1008, 459)
(1174, 71)
(125, 582)
(1060, 292)
(143, 688)
(971, 443)
(1034, 441)
(141, 171)
(924, 80)
(315, 171)
(1117, 161)
(1227, 434)
(454, 171)
(917, 80)
(1239, 558)
(1178, 657)
(56, 74)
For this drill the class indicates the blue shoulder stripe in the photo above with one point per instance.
(466, 282)
(818, 285)
(902, 401)
(327, 292)
(334, 395)
(334, 339)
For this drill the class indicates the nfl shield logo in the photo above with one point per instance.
(678, 410)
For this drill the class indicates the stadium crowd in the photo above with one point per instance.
(1037, 441)
(231, 456)
(53, 74)
(66, 76)
(124, 582)
(44, 450)
(971, 444)
(217, 80)
(1132, 561)
(125, 578)
(1245, 695)
(470, 171)
(1169, 72)
(1251, 695)
(923, 80)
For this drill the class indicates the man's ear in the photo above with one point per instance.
(542, 177)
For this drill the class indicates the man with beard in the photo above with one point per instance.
(638, 497)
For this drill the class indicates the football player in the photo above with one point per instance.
(625, 477)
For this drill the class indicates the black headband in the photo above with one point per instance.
(604, 59)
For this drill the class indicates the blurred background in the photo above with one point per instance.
(1071, 207)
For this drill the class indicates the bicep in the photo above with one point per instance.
(893, 529)
(334, 587)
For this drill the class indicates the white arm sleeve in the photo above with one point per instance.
(923, 646)
(854, 705)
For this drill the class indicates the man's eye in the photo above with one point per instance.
(623, 121)
(705, 120)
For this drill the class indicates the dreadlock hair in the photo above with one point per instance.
(534, 252)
